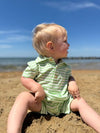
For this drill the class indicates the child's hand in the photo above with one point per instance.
(39, 94)
(34, 87)
(73, 89)
(38, 97)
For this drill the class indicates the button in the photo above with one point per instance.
(50, 59)
(56, 76)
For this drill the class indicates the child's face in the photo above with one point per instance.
(61, 48)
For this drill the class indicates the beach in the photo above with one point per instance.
(89, 85)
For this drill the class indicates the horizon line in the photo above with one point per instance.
(69, 57)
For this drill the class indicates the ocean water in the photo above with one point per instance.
(13, 64)
(19, 64)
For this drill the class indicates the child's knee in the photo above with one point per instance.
(77, 103)
(24, 96)
(81, 102)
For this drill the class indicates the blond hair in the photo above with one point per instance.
(44, 33)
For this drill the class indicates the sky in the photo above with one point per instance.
(81, 19)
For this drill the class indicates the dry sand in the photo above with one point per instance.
(10, 87)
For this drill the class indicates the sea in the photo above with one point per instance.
(19, 64)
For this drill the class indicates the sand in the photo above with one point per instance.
(10, 86)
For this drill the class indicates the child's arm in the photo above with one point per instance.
(73, 88)
(35, 87)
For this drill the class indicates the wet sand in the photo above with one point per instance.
(10, 86)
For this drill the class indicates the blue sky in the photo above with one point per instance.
(81, 18)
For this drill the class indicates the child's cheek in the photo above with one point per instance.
(64, 47)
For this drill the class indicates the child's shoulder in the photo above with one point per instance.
(32, 63)
(36, 61)
(41, 59)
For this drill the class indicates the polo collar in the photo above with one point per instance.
(41, 58)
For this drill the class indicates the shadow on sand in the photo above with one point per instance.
(33, 116)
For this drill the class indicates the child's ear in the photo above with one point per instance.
(50, 45)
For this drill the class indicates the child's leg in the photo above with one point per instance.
(18, 112)
(88, 115)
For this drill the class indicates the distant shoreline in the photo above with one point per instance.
(80, 57)
(83, 58)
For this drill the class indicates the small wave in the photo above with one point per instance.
(9, 68)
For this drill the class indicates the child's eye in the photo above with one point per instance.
(65, 41)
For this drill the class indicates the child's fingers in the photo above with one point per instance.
(37, 98)
(75, 94)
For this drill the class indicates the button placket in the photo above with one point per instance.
(56, 74)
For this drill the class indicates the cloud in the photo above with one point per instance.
(20, 38)
(14, 36)
(3, 46)
(72, 6)
(9, 31)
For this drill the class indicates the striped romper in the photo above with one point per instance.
(54, 80)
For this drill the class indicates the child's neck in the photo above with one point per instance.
(57, 61)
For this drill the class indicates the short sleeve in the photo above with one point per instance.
(31, 70)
